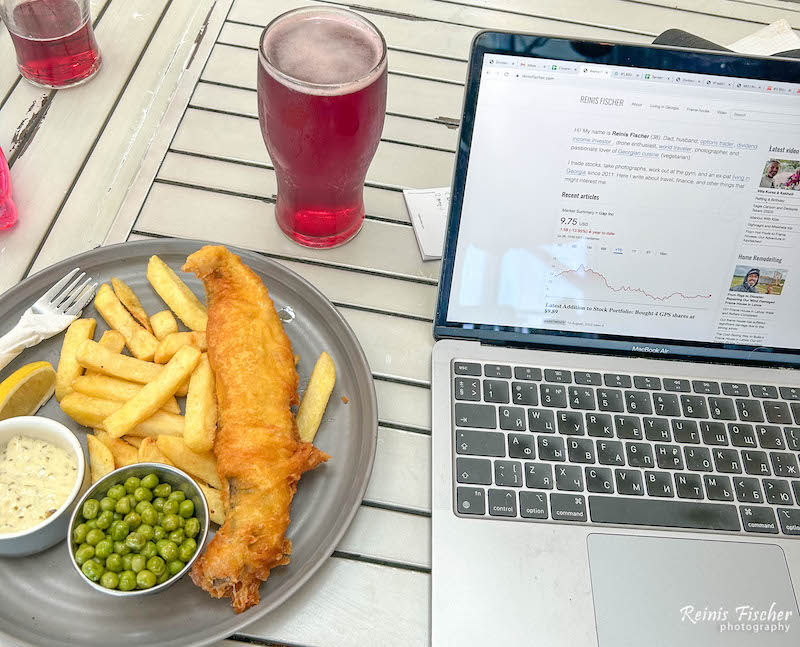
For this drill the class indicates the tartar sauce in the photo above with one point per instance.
(36, 477)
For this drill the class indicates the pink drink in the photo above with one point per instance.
(321, 105)
(54, 40)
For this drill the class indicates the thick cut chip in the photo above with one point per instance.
(141, 342)
(170, 345)
(91, 412)
(176, 294)
(163, 324)
(123, 453)
(203, 466)
(106, 387)
(150, 453)
(201, 408)
(128, 298)
(68, 367)
(101, 460)
(216, 509)
(315, 399)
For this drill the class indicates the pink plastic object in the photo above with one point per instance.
(8, 211)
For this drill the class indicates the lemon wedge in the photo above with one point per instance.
(27, 389)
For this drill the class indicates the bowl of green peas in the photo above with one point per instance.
(138, 530)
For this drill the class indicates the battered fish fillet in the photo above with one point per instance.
(260, 457)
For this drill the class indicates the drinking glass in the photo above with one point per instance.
(54, 40)
(8, 211)
(321, 106)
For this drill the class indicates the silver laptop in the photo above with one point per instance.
(616, 419)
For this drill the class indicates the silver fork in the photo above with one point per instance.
(49, 315)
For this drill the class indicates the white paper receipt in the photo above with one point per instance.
(428, 210)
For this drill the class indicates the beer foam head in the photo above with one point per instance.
(335, 51)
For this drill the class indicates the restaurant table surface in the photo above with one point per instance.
(165, 142)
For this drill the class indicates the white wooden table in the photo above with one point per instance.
(165, 142)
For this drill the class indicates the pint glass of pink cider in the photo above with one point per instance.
(321, 105)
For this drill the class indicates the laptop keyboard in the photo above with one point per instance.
(539, 444)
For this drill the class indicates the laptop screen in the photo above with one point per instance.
(629, 208)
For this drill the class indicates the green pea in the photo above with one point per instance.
(123, 506)
(117, 516)
(157, 566)
(141, 506)
(105, 519)
(119, 530)
(135, 541)
(145, 580)
(91, 508)
(84, 552)
(149, 550)
(109, 580)
(162, 490)
(171, 506)
(127, 562)
(138, 563)
(171, 522)
(161, 516)
(158, 504)
(163, 577)
(186, 509)
(127, 580)
(92, 569)
(104, 548)
(192, 527)
(181, 522)
(175, 566)
(116, 492)
(143, 494)
(133, 520)
(114, 563)
(185, 552)
(121, 548)
(159, 533)
(92, 523)
(107, 503)
(131, 484)
(168, 550)
(149, 516)
(94, 536)
(177, 536)
(150, 481)
(191, 543)
(79, 533)
(146, 531)
(177, 495)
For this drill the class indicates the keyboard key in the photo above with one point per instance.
(792, 438)
(742, 435)
(735, 389)
(533, 505)
(698, 459)
(681, 386)
(685, 431)
(778, 412)
(581, 397)
(557, 375)
(599, 480)
(539, 476)
(689, 486)
(666, 404)
(497, 370)
(551, 449)
(495, 391)
(694, 406)
(657, 429)
(599, 425)
(770, 437)
(570, 423)
(713, 433)
(587, 378)
(796, 412)
(722, 408)
(470, 500)
(718, 488)
(502, 503)
(665, 514)
(521, 446)
(467, 389)
(727, 461)
(778, 491)
(796, 488)
(466, 368)
(628, 427)
(629, 482)
(758, 519)
(522, 393)
(638, 402)
(639, 454)
(750, 410)
(482, 416)
(618, 381)
(669, 457)
(512, 418)
(508, 473)
(755, 462)
(580, 450)
(568, 507)
(785, 464)
(706, 387)
(649, 383)
(610, 452)
(542, 421)
(789, 520)
(479, 443)
(610, 400)
(748, 490)
(789, 392)
(659, 484)
(569, 478)
(477, 471)
(762, 391)
(527, 373)
(553, 396)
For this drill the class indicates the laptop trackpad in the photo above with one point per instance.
(664, 592)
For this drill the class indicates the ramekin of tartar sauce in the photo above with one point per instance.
(43, 472)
